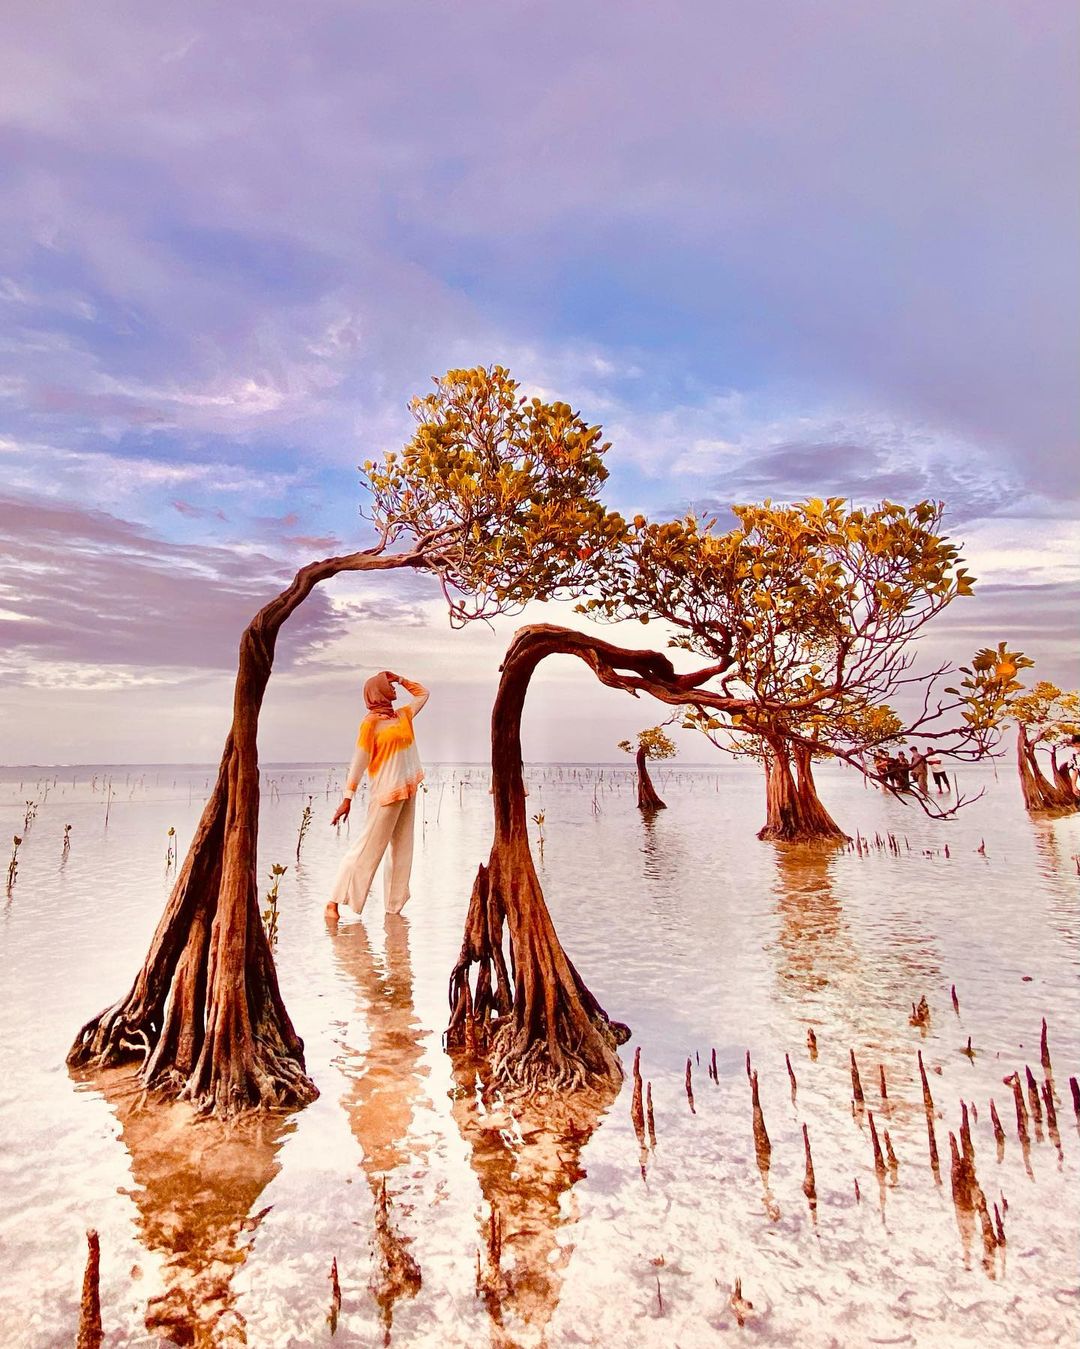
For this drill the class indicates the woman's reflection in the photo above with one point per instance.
(385, 1087)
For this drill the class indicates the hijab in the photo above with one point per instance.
(379, 695)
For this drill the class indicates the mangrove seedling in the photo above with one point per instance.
(270, 913)
(67, 840)
(305, 825)
(13, 865)
(538, 820)
(28, 818)
(496, 499)
(170, 849)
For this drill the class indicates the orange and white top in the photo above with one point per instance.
(386, 749)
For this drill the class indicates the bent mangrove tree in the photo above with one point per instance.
(495, 496)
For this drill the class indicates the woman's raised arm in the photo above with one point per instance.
(420, 694)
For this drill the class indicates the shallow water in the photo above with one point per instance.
(686, 927)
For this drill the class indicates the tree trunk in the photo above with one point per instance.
(205, 1011)
(1063, 781)
(538, 1025)
(794, 812)
(546, 1028)
(1041, 796)
(647, 797)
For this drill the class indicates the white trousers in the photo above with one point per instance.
(387, 826)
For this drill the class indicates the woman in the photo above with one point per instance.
(386, 749)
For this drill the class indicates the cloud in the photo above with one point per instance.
(86, 587)
(867, 205)
(819, 251)
(191, 512)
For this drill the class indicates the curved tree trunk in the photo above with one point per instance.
(537, 1023)
(794, 812)
(647, 796)
(205, 1012)
(1041, 796)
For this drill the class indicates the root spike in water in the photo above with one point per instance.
(928, 1107)
(1051, 1114)
(882, 1088)
(811, 1044)
(955, 1001)
(1021, 1109)
(791, 1075)
(690, 1086)
(890, 1155)
(879, 1160)
(762, 1146)
(966, 1144)
(1034, 1102)
(649, 1120)
(809, 1182)
(856, 1083)
(742, 1307)
(713, 1071)
(1074, 1088)
(637, 1113)
(1044, 1053)
(999, 1132)
(90, 1333)
(335, 1298)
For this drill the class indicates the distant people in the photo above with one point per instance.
(941, 778)
(902, 772)
(920, 770)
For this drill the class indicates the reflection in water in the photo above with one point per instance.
(384, 1090)
(813, 937)
(527, 1157)
(865, 980)
(196, 1184)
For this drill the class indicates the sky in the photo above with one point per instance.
(775, 250)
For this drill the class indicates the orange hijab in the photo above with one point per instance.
(379, 696)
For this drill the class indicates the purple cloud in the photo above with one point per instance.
(88, 587)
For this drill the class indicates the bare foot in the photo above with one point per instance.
(331, 912)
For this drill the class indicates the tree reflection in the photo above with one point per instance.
(813, 937)
(196, 1184)
(527, 1157)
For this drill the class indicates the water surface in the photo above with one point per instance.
(687, 928)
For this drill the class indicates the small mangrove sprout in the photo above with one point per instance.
(538, 820)
(305, 825)
(170, 848)
(13, 865)
(270, 913)
(67, 841)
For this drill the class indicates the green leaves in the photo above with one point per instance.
(501, 492)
